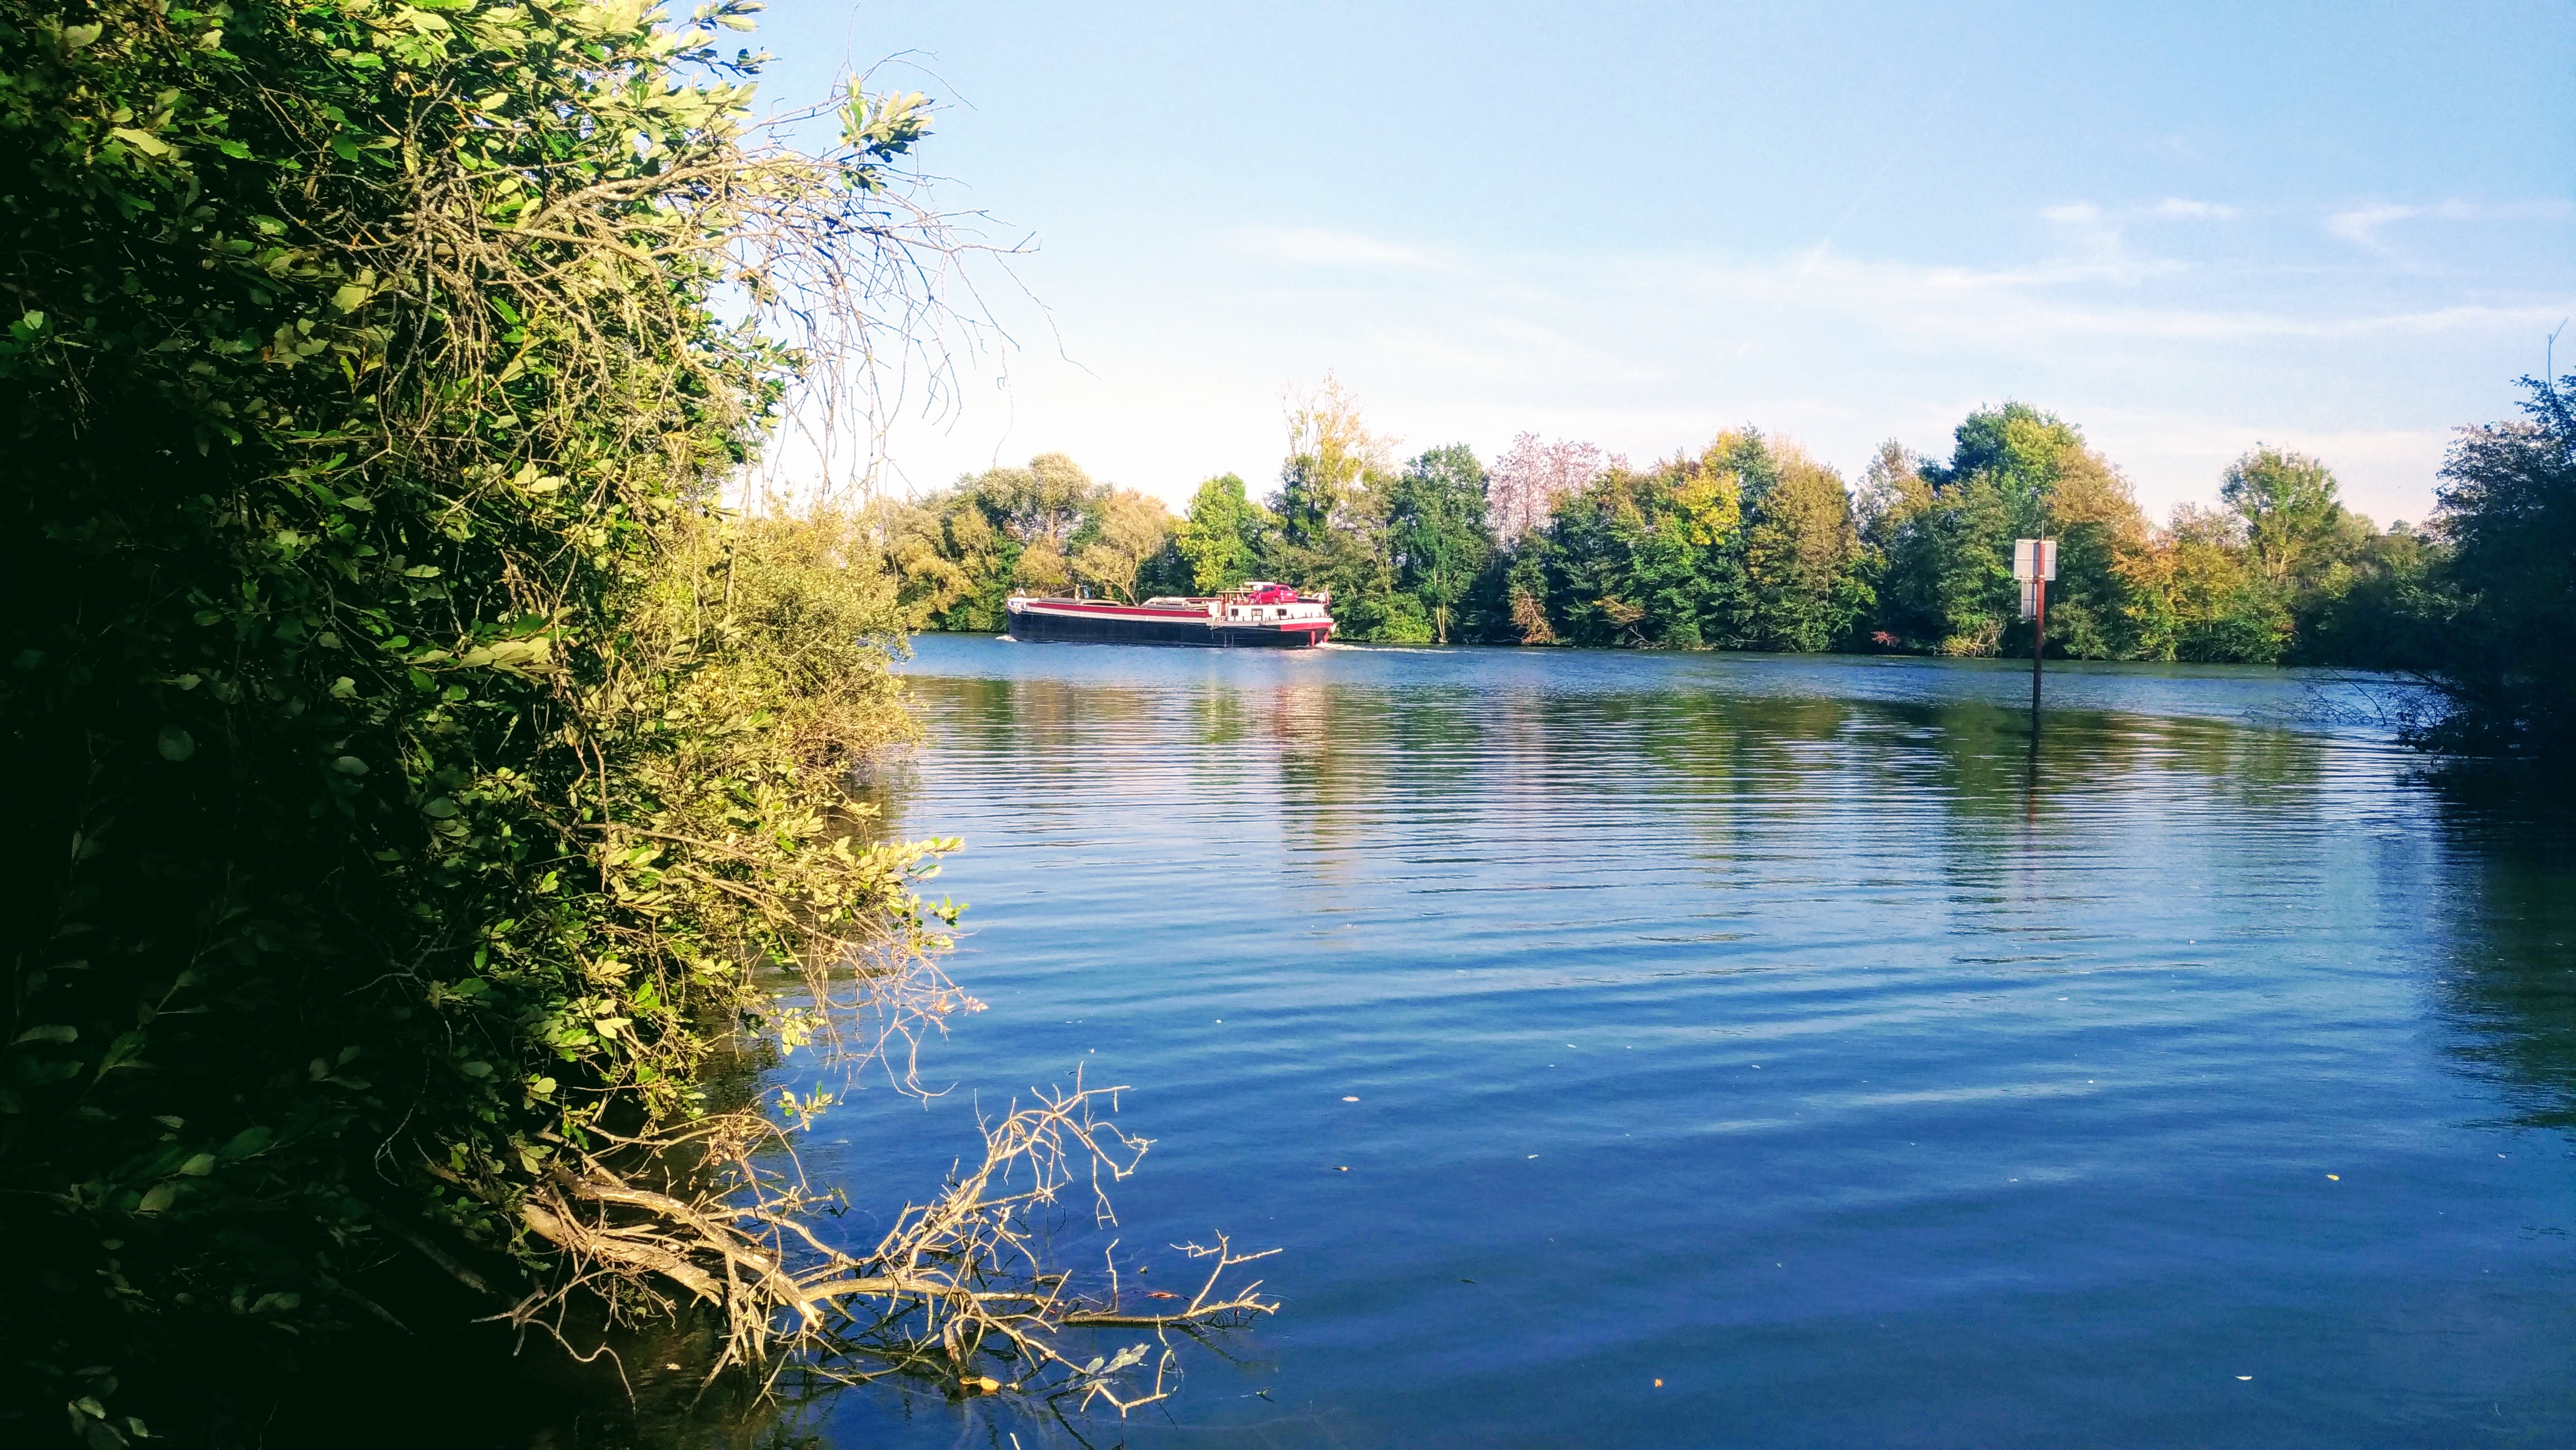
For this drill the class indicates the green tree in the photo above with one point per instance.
(1436, 532)
(952, 565)
(2288, 503)
(1332, 458)
(2222, 608)
(1121, 535)
(1799, 555)
(1039, 508)
(1044, 528)
(1654, 557)
(2367, 608)
(2014, 472)
(1225, 535)
(2507, 506)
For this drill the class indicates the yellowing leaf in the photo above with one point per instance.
(143, 141)
(518, 656)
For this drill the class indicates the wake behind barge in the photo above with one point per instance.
(1257, 616)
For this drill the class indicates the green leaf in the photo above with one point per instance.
(198, 1167)
(177, 744)
(245, 1143)
(76, 37)
(50, 1032)
(143, 141)
(349, 765)
(159, 1198)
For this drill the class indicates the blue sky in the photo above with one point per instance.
(2185, 227)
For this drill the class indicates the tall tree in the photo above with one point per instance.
(1798, 555)
(2507, 504)
(1122, 533)
(1331, 457)
(1223, 534)
(1532, 478)
(1436, 534)
(2217, 605)
(2014, 472)
(1038, 507)
(2288, 503)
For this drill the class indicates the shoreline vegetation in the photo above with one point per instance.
(1751, 544)
(429, 806)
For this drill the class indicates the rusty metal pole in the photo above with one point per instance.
(2038, 642)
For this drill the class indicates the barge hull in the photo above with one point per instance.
(1037, 625)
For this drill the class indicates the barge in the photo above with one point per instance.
(1260, 615)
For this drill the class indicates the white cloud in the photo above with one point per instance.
(2100, 239)
(1933, 306)
(1316, 247)
(2361, 226)
(2174, 366)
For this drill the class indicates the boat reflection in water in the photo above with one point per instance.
(1259, 615)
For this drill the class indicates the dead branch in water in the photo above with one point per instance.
(958, 1286)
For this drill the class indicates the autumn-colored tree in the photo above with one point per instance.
(1798, 556)
(1332, 457)
(1531, 478)
(1122, 533)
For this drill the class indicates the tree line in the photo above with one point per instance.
(1748, 543)
(1751, 543)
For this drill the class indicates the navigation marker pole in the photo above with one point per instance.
(2034, 564)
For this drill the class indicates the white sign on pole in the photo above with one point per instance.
(2030, 599)
(2034, 559)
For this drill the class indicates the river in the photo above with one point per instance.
(1762, 1049)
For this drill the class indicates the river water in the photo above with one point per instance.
(1792, 1032)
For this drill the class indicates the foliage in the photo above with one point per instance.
(1046, 528)
(1752, 544)
(1531, 478)
(2287, 501)
(1437, 540)
(2504, 592)
(1798, 558)
(1124, 532)
(1333, 460)
(1223, 535)
(418, 777)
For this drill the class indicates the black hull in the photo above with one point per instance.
(1040, 626)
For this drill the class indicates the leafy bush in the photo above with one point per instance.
(414, 773)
